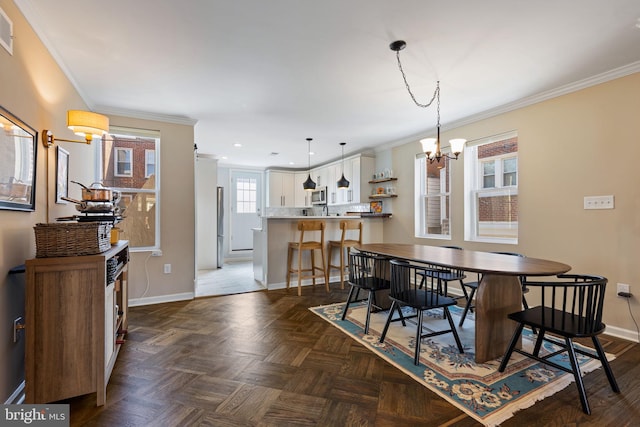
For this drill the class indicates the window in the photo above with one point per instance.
(491, 189)
(246, 190)
(149, 163)
(122, 159)
(128, 162)
(432, 192)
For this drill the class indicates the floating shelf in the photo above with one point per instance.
(382, 196)
(375, 181)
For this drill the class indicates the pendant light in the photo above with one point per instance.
(309, 185)
(342, 182)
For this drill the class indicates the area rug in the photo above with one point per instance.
(479, 390)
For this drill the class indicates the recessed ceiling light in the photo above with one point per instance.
(237, 144)
(291, 163)
(224, 157)
(311, 153)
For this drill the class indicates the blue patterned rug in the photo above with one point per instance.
(479, 390)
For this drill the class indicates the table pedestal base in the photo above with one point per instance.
(497, 296)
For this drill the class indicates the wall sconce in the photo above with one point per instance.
(82, 123)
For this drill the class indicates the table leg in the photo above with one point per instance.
(497, 297)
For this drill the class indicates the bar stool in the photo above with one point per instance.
(342, 244)
(307, 245)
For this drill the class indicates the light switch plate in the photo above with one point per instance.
(598, 202)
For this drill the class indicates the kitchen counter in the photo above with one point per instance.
(350, 216)
(271, 243)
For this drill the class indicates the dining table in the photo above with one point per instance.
(499, 290)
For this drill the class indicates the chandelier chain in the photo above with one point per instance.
(406, 83)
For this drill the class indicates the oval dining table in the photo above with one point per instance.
(499, 292)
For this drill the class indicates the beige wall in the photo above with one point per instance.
(581, 144)
(34, 88)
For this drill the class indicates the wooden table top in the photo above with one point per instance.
(474, 261)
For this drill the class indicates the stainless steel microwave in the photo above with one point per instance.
(319, 196)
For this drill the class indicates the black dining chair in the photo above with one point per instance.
(406, 291)
(444, 275)
(369, 273)
(569, 308)
(473, 288)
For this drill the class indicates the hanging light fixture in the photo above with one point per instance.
(430, 146)
(343, 182)
(309, 185)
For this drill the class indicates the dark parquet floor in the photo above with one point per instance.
(263, 359)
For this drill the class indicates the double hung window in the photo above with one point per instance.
(432, 195)
(128, 162)
(491, 189)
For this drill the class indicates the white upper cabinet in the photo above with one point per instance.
(280, 189)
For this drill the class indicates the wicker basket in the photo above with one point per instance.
(72, 239)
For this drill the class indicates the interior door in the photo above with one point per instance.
(245, 208)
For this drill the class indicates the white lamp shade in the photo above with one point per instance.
(428, 145)
(85, 123)
(457, 145)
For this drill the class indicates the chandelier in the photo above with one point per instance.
(430, 146)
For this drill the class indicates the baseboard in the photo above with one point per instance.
(161, 299)
(17, 396)
(626, 334)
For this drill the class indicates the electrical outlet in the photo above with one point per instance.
(18, 327)
(623, 290)
(156, 253)
(167, 269)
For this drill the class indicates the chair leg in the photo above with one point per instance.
(369, 305)
(605, 364)
(453, 329)
(416, 358)
(300, 271)
(388, 322)
(341, 268)
(313, 266)
(346, 305)
(325, 271)
(289, 260)
(538, 345)
(512, 346)
(467, 307)
(576, 374)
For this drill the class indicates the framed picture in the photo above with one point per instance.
(17, 163)
(375, 206)
(62, 174)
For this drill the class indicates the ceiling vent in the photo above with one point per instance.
(6, 32)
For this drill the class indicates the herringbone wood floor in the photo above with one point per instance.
(264, 359)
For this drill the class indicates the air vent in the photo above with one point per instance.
(273, 153)
(6, 32)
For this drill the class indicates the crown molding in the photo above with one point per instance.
(145, 115)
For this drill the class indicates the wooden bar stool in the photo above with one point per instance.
(308, 245)
(342, 244)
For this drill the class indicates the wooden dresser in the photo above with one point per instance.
(76, 318)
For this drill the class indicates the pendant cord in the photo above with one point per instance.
(406, 83)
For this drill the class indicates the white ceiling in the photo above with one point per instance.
(268, 74)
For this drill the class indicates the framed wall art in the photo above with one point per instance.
(17, 163)
(62, 174)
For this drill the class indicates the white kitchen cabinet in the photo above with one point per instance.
(302, 197)
(280, 189)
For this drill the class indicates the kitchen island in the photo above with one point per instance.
(270, 244)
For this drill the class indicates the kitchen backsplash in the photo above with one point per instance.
(318, 210)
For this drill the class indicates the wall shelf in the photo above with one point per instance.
(376, 181)
(382, 196)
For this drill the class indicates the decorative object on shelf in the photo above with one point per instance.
(430, 146)
(309, 185)
(375, 207)
(343, 182)
(82, 123)
(62, 175)
(18, 168)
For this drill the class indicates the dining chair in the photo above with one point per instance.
(407, 291)
(569, 308)
(370, 273)
(473, 288)
(444, 275)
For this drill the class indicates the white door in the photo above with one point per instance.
(245, 208)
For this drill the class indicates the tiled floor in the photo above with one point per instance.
(232, 278)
